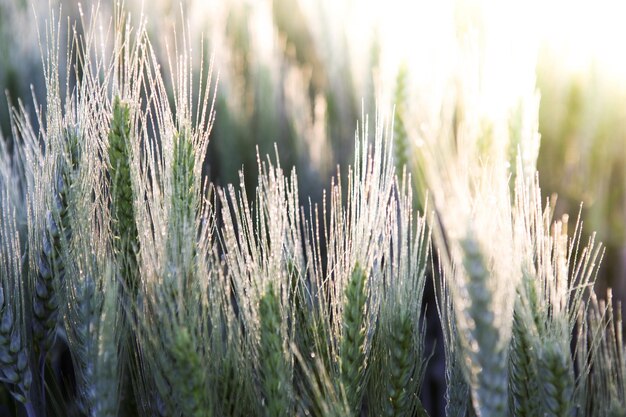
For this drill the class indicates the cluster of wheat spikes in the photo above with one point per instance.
(178, 298)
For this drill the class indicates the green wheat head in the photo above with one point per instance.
(187, 378)
(523, 359)
(556, 378)
(400, 136)
(55, 245)
(275, 376)
(552, 293)
(94, 336)
(352, 350)
(15, 360)
(122, 200)
(490, 357)
(398, 356)
(51, 270)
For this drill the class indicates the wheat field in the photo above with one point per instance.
(176, 295)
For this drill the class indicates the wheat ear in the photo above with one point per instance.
(122, 209)
(51, 269)
(55, 241)
(490, 385)
(352, 350)
(401, 365)
(15, 370)
(523, 360)
(400, 137)
(14, 366)
(93, 330)
(556, 379)
(184, 202)
(276, 381)
(125, 235)
(187, 378)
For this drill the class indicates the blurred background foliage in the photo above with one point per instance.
(582, 121)
(297, 75)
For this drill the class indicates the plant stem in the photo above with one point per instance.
(30, 410)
